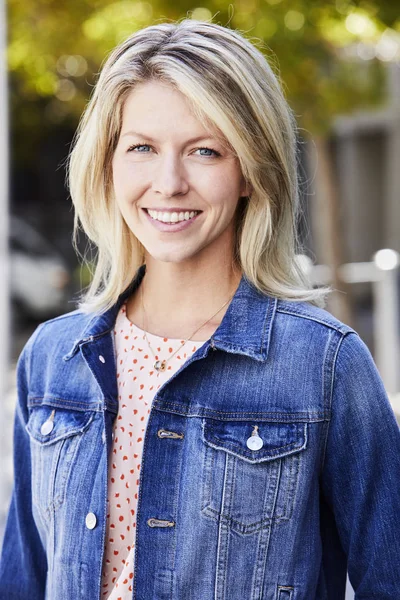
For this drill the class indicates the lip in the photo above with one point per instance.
(177, 209)
(170, 227)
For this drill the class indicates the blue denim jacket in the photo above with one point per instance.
(216, 519)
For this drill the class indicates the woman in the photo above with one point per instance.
(200, 428)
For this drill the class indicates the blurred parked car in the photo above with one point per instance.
(39, 277)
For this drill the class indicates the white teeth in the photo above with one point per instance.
(168, 217)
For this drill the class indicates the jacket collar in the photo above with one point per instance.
(245, 328)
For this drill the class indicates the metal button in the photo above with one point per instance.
(47, 427)
(102, 359)
(163, 433)
(160, 523)
(91, 520)
(255, 442)
(112, 436)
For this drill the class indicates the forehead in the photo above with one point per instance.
(162, 109)
(155, 101)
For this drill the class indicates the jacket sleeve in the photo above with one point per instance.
(23, 564)
(361, 473)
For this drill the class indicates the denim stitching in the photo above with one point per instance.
(242, 416)
(62, 434)
(34, 401)
(335, 359)
(344, 329)
(258, 525)
(273, 452)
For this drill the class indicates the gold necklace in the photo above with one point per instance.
(161, 365)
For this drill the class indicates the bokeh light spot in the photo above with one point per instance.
(66, 90)
(201, 14)
(360, 24)
(388, 47)
(366, 51)
(95, 28)
(266, 28)
(294, 20)
(46, 84)
(386, 259)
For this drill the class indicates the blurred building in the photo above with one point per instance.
(365, 150)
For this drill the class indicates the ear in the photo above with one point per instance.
(246, 189)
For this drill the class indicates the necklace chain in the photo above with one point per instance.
(160, 365)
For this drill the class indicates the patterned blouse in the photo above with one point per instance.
(138, 382)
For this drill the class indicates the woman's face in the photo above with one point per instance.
(176, 185)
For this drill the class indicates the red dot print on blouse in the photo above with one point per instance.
(138, 383)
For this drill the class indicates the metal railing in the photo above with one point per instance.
(382, 272)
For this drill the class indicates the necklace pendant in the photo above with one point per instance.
(160, 365)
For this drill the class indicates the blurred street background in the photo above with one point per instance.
(339, 63)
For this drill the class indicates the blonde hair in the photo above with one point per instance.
(229, 85)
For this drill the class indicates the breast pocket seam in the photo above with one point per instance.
(54, 501)
(229, 447)
(289, 487)
(66, 473)
(54, 497)
(291, 494)
(208, 463)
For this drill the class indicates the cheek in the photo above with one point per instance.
(117, 178)
(126, 183)
(122, 177)
(224, 196)
(225, 189)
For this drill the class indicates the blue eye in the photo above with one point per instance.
(136, 146)
(145, 148)
(210, 151)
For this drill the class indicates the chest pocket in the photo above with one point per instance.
(248, 489)
(55, 435)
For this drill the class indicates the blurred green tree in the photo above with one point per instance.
(56, 47)
(329, 55)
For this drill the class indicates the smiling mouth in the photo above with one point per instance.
(172, 217)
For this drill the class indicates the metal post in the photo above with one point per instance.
(386, 319)
(382, 272)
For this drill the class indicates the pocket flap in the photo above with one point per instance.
(278, 439)
(65, 423)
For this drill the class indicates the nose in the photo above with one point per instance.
(169, 178)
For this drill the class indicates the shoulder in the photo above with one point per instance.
(70, 325)
(58, 335)
(313, 319)
(351, 359)
(311, 330)
(308, 315)
(351, 350)
(315, 337)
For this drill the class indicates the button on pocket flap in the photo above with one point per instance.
(47, 425)
(272, 440)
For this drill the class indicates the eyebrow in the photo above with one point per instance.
(148, 137)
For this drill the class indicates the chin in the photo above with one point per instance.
(170, 257)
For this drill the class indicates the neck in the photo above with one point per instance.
(178, 298)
